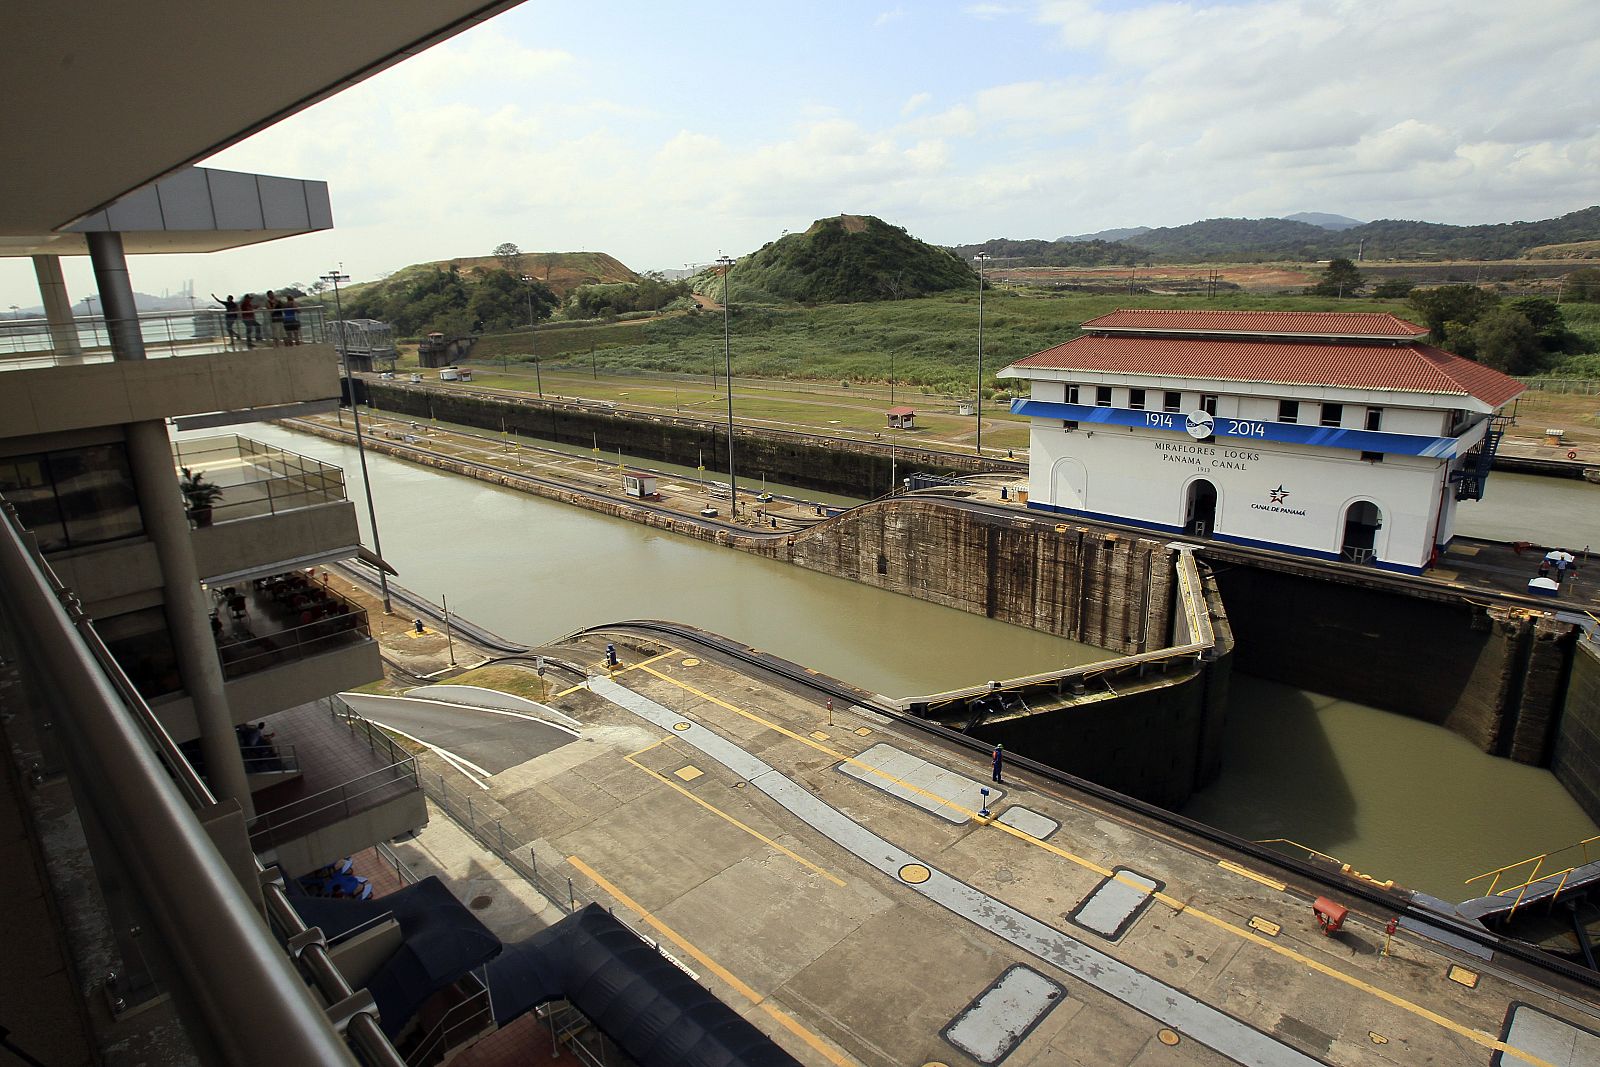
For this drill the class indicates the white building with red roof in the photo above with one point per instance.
(1324, 434)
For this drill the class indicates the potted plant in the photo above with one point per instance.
(199, 495)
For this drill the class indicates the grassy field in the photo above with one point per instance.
(929, 343)
(828, 368)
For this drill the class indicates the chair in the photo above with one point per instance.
(237, 608)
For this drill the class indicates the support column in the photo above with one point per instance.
(57, 305)
(167, 525)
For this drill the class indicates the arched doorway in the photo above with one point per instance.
(1362, 521)
(1200, 509)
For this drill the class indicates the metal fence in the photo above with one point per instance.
(258, 479)
(1580, 386)
(542, 872)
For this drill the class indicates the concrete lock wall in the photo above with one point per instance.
(807, 460)
(1495, 676)
(1576, 758)
(1095, 587)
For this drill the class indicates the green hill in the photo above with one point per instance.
(1258, 240)
(843, 260)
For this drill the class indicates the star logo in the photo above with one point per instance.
(1277, 496)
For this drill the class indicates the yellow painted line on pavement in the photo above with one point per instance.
(601, 668)
(793, 1025)
(1479, 1037)
(1244, 872)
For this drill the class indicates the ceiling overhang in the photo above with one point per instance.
(102, 99)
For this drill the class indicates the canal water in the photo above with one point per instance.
(1394, 797)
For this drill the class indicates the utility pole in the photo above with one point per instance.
(335, 277)
(726, 262)
(981, 258)
(533, 337)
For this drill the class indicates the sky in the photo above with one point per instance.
(667, 136)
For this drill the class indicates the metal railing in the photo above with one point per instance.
(1193, 632)
(35, 342)
(272, 759)
(466, 1019)
(1535, 878)
(334, 804)
(252, 654)
(245, 994)
(258, 479)
(1582, 386)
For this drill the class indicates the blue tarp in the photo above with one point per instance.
(651, 1009)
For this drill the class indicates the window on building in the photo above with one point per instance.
(1171, 401)
(1102, 396)
(74, 496)
(142, 647)
(1332, 414)
(1072, 394)
(1136, 399)
(1288, 411)
(1372, 457)
(1374, 418)
(1208, 403)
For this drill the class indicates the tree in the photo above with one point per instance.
(1451, 303)
(1548, 323)
(1341, 278)
(510, 257)
(500, 300)
(1582, 286)
(1397, 289)
(1504, 339)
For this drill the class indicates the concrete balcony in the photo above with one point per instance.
(351, 789)
(278, 510)
(282, 641)
(71, 393)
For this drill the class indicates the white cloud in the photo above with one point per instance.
(1100, 115)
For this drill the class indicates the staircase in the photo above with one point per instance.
(1470, 479)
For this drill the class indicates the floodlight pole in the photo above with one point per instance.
(533, 338)
(981, 258)
(726, 263)
(342, 341)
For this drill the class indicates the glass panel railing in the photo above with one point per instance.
(27, 342)
(253, 478)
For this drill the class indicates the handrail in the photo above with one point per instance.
(254, 1006)
(86, 338)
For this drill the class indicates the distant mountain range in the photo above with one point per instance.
(1307, 236)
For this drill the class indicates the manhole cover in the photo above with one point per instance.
(480, 902)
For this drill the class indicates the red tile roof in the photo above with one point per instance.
(902, 411)
(1413, 368)
(1281, 323)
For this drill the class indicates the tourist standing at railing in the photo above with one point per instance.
(231, 314)
(275, 315)
(291, 319)
(252, 326)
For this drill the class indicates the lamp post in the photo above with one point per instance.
(726, 263)
(982, 258)
(533, 338)
(88, 304)
(334, 277)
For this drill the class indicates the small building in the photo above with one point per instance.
(902, 419)
(641, 484)
(437, 351)
(1323, 434)
(966, 407)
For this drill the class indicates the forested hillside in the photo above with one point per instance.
(842, 260)
(1257, 240)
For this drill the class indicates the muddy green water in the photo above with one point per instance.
(1394, 797)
